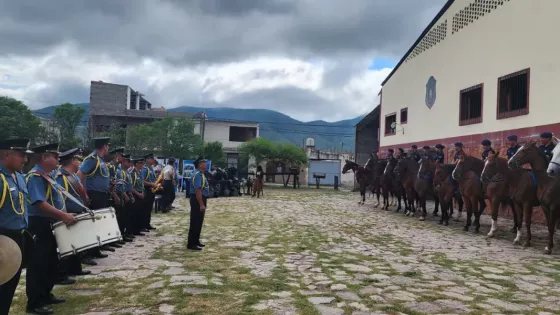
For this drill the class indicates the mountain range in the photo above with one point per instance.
(333, 136)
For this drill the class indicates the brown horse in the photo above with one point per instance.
(424, 186)
(362, 177)
(512, 187)
(391, 186)
(467, 172)
(405, 172)
(376, 167)
(548, 189)
(445, 187)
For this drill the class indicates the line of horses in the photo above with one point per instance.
(470, 181)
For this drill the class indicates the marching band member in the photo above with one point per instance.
(95, 174)
(46, 206)
(138, 192)
(149, 177)
(128, 198)
(13, 215)
(199, 192)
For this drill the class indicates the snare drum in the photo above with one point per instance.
(89, 232)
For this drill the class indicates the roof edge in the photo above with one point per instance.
(426, 30)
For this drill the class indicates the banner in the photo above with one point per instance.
(189, 169)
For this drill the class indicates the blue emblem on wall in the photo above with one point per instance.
(431, 92)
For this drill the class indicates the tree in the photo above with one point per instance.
(141, 139)
(117, 134)
(67, 118)
(45, 136)
(176, 137)
(258, 148)
(289, 154)
(214, 152)
(17, 120)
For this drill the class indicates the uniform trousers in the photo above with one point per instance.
(134, 213)
(43, 265)
(98, 200)
(149, 198)
(8, 289)
(121, 216)
(168, 194)
(196, 221)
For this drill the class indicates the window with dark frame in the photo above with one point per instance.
(513, 94)
(470, 111)
(404, 115)
(389, 120)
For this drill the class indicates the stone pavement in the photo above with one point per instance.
(316, 252)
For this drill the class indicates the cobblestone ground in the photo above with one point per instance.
(316, 252)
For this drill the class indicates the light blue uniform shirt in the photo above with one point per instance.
(199, 181)
(97, 175)
(137, 182)
(40, 190)
(13, 217)
(71, 206)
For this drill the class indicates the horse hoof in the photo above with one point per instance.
(421, 218)
(516, 242)
(527, 244)
(547, 251)
(466, 228)
(490, 234)
(513, 230)
(476, 231)
(446, 223)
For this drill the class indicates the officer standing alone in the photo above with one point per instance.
(13, 215)
(199, 192)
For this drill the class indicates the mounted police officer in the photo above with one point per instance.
(414, 153)
(390, 154)
(401, 154)
(97, 178)
(149, 177)
(487, 149)
(13, 214)
(439, 156)
(199, 192)
(513, 146)
(46, 206)
(458, 151)
(547, 145)
(426, 150)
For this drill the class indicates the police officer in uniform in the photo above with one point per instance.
(149, 177)
(458, 151)
(547, 145)
(487, 149)
(390, 153)
(513, 146)
(426, 150)
(138, 192)
(439, 156)
(414, 153)
(199, 192)
(46, 206)
(67, 178)
(13, 214)
(97, 178)
(401, 154)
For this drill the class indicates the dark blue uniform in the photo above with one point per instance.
(415, 155)
(511, 151)
(547, 150)
(438, 156)
(198, 181)
(457, 155)
(485, 153)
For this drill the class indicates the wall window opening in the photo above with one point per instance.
(404, 115)
(513, 94)
(471, 105)
(390, 119)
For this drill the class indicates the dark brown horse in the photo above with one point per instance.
(512, 187)
(424, 186)
(362, 177)
(376, 167)
(445, 187)
(467, 173)
(548, 190)
(391, 186)
(405, 172)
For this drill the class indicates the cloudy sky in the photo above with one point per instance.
(310, 59)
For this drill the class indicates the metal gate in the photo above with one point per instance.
(330, 167)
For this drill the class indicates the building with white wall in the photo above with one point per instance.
(482, 69)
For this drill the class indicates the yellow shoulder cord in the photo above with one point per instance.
(147, 173)
(5, 192)
(96, 165)
(134, 183)
(49, 189)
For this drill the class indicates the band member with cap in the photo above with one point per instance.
(199, 192)
(46, 206)
(97, 178)
(487, 149)
(149, 177)
(66, 177)
(126, 174)
(439, 156)
(513, 146)
(414, 152)
(458, 151)
(138, 192)
(168, 184)
(547, 145)
(115, 162)
(13, 215)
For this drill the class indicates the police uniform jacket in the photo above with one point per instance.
(199, 181)
(415, 156)
(13, 208)
(137, 182)
(62, 179)
(438, 156)
(148, 174)
(485, 153)
(39, 190)
(98, 177)
(511, 151)
(129, 183)
(457, 155)
(547, 150)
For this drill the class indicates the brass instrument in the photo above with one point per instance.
(159, 186)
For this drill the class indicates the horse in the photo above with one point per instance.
(511, 187)
(405, 172)
(553, 169)
(362, 176)
(389, 186)
(467, 172)
(445, 187)
(424, 186)
(376, 167)
(548, 188)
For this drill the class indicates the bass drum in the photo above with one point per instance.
(89, 232)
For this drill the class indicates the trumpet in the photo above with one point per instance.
(158, 187)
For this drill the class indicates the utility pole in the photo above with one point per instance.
(203, 125)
